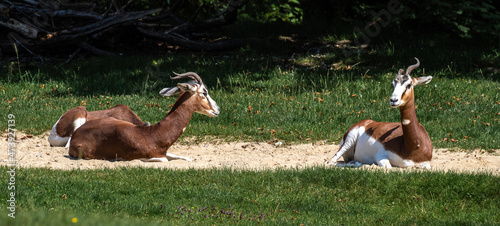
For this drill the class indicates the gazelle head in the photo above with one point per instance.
(204, 103)
(403, 85)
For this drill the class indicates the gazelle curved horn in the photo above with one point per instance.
(190, 75)
(410, 68)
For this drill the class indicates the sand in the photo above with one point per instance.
(35, 151)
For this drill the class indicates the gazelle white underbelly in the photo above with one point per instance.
(56, 140)
(367, 148)
(78, 122)
(371, 151)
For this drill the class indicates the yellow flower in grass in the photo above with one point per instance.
(74, 220)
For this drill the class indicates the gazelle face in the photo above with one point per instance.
(403, 85)
(199, 98)
(208, 105)
(403, 90)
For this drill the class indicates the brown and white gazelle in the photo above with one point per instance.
(110, 138)
(61, 132)
(388, 144)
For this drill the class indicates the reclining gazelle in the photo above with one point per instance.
(402, 144)
(61, 132)
(110, 138)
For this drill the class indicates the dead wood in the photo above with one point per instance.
(44, 28)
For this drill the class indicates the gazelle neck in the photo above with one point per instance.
(412, 130)
(168, 130)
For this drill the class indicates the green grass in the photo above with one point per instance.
(311, 196)
(292, 92)
(262, 98)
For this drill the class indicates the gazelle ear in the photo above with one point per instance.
(423, 80)
(169, 91)
(187, 87)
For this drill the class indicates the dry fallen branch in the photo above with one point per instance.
(178, 41)
(27, 30)
(66, 29)
(106, 23)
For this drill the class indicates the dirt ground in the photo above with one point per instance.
(34, 151)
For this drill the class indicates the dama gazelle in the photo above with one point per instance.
(110, 138)
(388, 144)
(61, 132)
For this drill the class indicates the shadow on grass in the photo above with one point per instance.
(308, 51)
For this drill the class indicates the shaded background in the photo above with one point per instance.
(63, 31)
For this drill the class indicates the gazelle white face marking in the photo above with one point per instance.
(212, 108)
(402, 85)
(196, 87)
(208, 106)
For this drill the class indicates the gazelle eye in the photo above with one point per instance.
(408, 86)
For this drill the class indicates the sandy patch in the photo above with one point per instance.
(34, 151)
